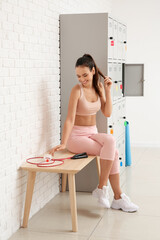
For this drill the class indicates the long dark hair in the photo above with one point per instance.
(87, 61)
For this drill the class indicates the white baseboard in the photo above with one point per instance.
(145, 144)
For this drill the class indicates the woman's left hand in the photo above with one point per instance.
(107, 83)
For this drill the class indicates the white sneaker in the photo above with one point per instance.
(124, 204)
(102, 195)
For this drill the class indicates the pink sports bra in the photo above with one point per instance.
(84, 107)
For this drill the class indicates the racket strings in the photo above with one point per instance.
(50, 163)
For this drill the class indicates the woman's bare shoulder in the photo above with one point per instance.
(76, 87)
(76, 90)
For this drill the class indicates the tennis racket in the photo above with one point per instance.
(50, 162)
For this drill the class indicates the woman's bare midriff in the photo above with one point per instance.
(85, 120)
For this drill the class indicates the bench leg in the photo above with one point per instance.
(29, 193)
(64, 181)
(98, 166)
(73, 203)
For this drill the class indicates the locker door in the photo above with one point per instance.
(117, 118)
(120, 32)
(115, 82)
(122, 116)
(121, 146)
(124, 42)
(120, 124)
(119, 109)
(113, 129)
(119, 94)
(110, 38)
(118, 146)
(110, 119)
(115, 26)
(123, 107)
(111, 75)
(120, 40)
(123, 149)
(123, 113)
(119, 74)
(110, 126)
(119, 51)
(133, 79)
(116, 130)
(114, 113)
(121, 127)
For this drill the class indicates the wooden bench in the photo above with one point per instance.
(69, 168)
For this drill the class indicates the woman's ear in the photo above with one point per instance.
(93, 70)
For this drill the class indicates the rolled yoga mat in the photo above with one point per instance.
(128, 160)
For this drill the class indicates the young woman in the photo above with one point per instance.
(80, 132)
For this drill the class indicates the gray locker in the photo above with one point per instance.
(96, 34)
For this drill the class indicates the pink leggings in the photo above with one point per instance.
(87, 139)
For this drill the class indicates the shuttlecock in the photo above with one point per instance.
(47, 157)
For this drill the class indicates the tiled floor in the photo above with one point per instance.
(141, 182)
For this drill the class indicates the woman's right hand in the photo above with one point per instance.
(57, 148)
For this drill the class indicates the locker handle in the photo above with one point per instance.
(115, 81)
(142, 80)
(120, 158)
(125, 42)
(110, 126)
(111, 38)
(122, 117)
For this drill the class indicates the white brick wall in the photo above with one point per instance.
(29, 97)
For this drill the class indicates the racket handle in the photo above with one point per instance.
(80, 155)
